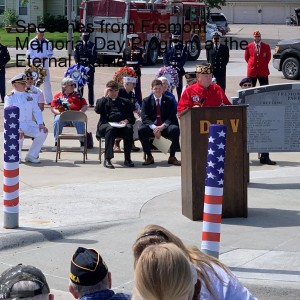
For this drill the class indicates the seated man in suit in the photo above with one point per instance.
(159, 119)
(116, 120)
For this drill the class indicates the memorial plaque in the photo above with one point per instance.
(273, 117)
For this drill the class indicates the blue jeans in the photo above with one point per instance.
(78, 125)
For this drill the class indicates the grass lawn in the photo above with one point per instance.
(10, 39)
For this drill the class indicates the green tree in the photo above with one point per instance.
(215, 3)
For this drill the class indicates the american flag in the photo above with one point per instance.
(214, 183)
(11, 165)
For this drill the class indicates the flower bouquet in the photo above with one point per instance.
(170, 73)
(78, 73)
(38, 74)
(123, 72)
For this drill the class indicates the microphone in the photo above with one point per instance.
(202, 100)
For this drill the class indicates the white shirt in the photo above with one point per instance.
(38, 94)
(46, 51)
(27, 105)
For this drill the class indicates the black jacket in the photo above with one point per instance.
(218, 59)
(85, 54)
(104, 108)
(167, 111)
(4, 58)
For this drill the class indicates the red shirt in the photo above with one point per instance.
(196, 95)
(75, 102)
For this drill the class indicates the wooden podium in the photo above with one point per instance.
(194, 126)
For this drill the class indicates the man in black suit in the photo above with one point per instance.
(116, 120)
(159, 119)
(217, 55)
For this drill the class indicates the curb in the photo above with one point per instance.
(29, 236)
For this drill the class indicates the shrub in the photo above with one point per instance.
(10, 17)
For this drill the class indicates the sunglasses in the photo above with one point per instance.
(29, 78)
(247, 85)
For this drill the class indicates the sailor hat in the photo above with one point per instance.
(129, 79)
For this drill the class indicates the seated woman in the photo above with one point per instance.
(215, 280)
(163, 272)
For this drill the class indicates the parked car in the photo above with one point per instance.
(220, 20)
(287, 58)
(210, 29)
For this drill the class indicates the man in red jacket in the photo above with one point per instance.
(203, 92)
(258, 56)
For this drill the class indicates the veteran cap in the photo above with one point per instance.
(87, 267)
(190, 75)
(204, 69)
(18, 78)
(19, 273)
(256, 33)
(129, 79)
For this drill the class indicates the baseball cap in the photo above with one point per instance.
(19, 273)
(87, 267)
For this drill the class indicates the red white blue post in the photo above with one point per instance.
(213, 198)
(11, 168)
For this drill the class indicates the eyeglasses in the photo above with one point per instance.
(247, 85)
(29, 78)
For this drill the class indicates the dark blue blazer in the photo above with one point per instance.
(167, 111)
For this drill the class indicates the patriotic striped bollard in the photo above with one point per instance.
(11, 168)
(212, 213)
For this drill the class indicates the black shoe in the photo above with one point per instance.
(107, 164)
(267, 161)
(135, 149)
(128, 163)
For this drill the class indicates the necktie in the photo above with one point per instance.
(158, 117)
(257, 49)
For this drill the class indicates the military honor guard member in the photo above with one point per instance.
(176, 57)
(204, 92)
(4, 59)
(190, 78)
(39, 51)
(86, 55)
(258, 56)
(133, 57)
(28, 108)
(217, 55)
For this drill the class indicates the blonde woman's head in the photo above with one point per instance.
(163, 272)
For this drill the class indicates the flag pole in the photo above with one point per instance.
(213, 197)
(11, 168)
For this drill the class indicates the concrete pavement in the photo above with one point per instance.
(67, 204)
